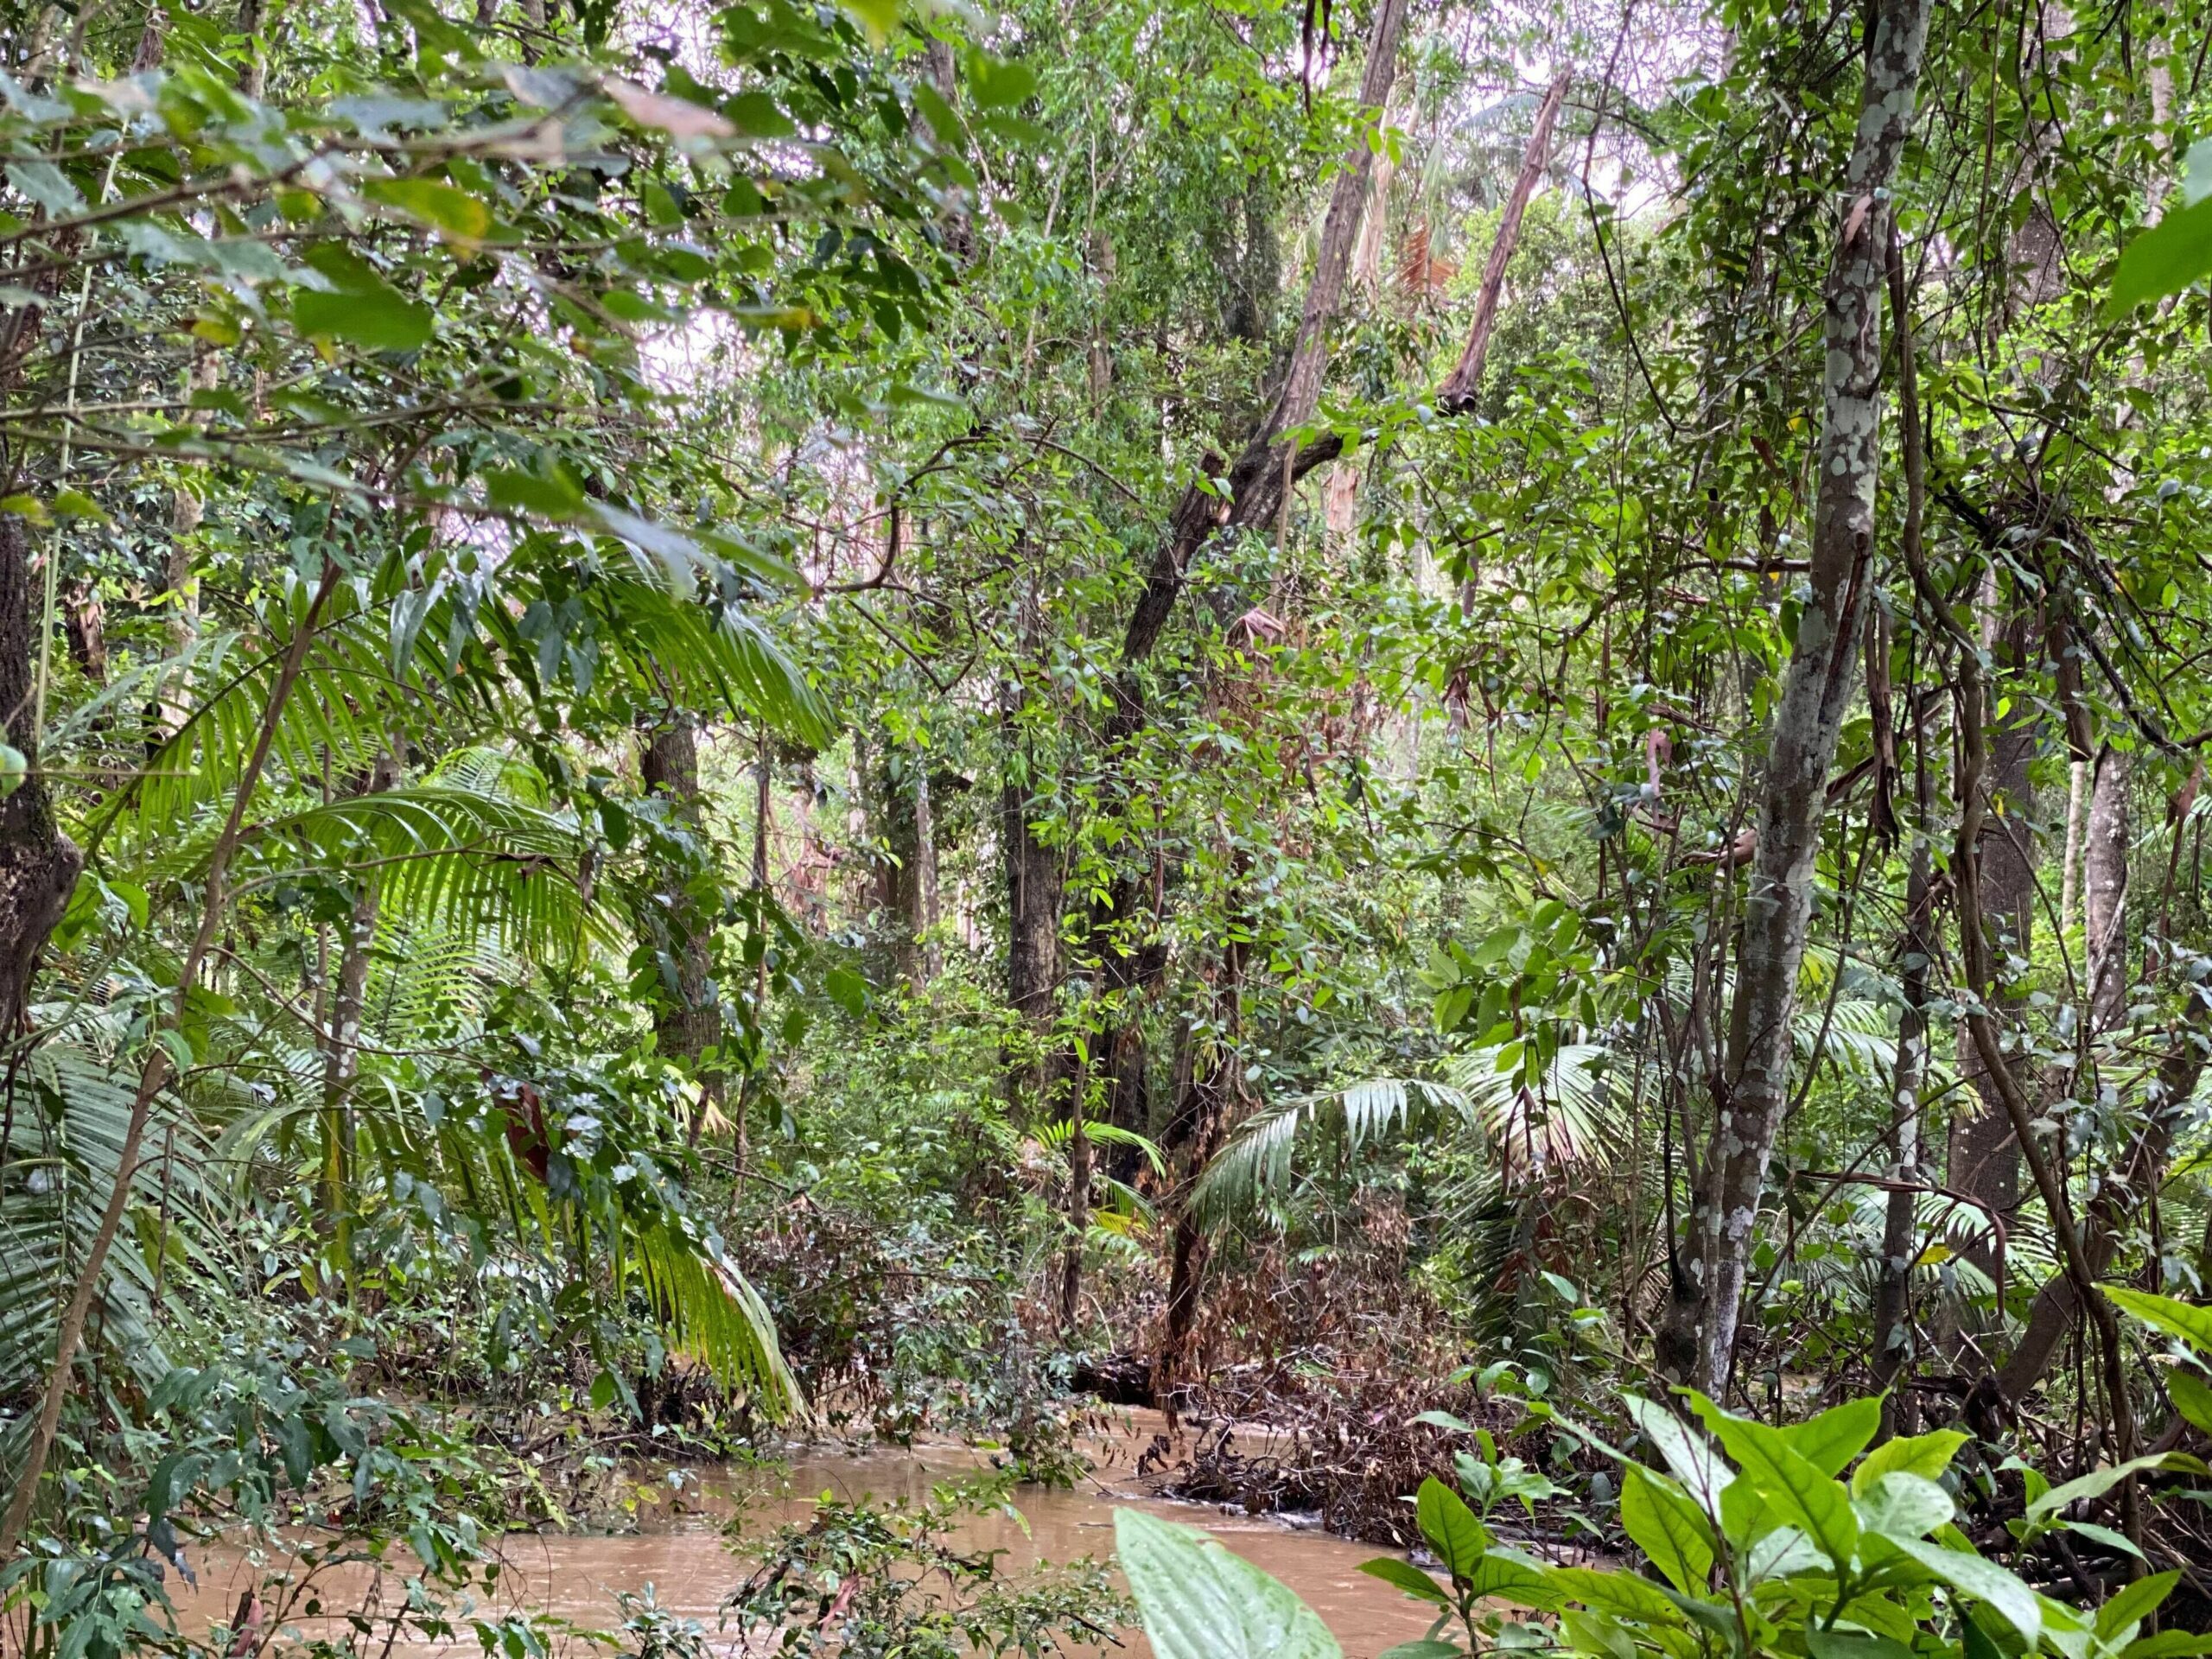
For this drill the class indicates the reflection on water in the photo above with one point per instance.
(681, 1552)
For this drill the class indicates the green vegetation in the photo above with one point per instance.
(1463, 742)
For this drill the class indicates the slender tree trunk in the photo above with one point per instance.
(2057, 1305)
(38, 863)
(1259, 479)
(2105, 888)
(929, 953)
(1900, 1220)
(1465, 383)
(1078, 1205)
(1817, 692)
(341, 1052)
(157, 1071)
(1034, 895)
(1983, 1160)
(2077, 806)
(688, 1020)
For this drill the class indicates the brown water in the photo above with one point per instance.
(681, 1551)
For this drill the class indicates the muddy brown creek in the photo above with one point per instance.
(681, 1550)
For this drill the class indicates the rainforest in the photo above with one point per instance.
(1238, 829)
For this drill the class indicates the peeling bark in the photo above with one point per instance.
(1817, 692)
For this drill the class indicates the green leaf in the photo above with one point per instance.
(756, 115)
(1983, 1581)
(1692, 1459)
(1507, 1578)
(2167, 1644)
(1408, 1577)
(1925, 1455)
(2193, 1324)
(1668, 1528)
(1852, 1644)
(997, 84)
(1832, 1440)
(2168, 257)
(2192, 1397)
(1457, 1538)
(1423, 1649)
(1794, 1486)
(47, 185)
(379, 319)
(1902, 1505)
(2104, 1535)
(1624, 1595)
(453, 213)
(2134, 1603)
(2095, 1484)
(553, 493)
(877, 18)
(1598, 1634)
(1199, 1601)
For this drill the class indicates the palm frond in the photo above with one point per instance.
(1572, 1120)
(713, 1314)
(1255, 1162)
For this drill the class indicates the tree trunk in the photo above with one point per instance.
(1465, 383)
(1893, 1327)
(929, 955)
(2122, 1190)
(1034, 893)
(1815, 693)
(38, 863)
(1984, 1158)
(2105, 888)
(688, 1017)
(341, 1052)
(1900, 1221)
(1078, 1204)
(2069, 880)
(156, 1071)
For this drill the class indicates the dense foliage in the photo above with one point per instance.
(1473, 730)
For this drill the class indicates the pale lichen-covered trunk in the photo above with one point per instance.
(1817, 692)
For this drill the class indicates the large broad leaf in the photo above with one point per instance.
(1925, 1455)
(1624, 1595)
(2134, 1603)
(1199, 1601)
(1507, 1577)
(2192, 1397)
(1408, 1578)
(1852, 1644)
(1692, 1459)
(1792, 1485)
(1669, 1528)
(357, 305)
(2193, 1324)
(2165, 259)
(1984, 1581)
(2098, 1482)
(1832, 1440)
(1902, 1505)
(1451, 1527)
